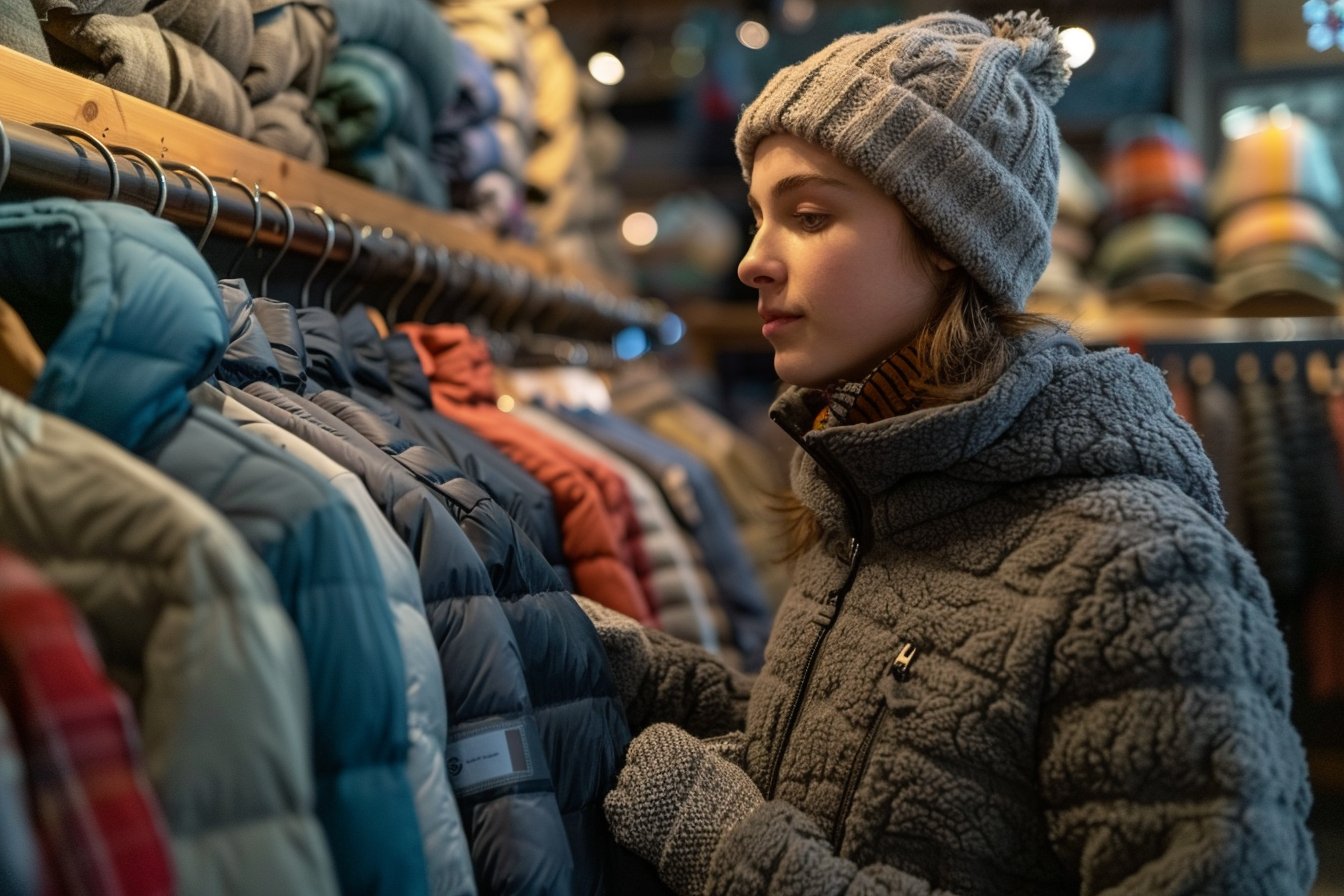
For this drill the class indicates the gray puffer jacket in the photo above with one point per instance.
(1026, 657)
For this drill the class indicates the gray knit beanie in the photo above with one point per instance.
(948, 114)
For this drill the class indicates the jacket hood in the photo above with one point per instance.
(456, 362)
(249, 357)
(330, 363)
(124, 306)
(1059, 411)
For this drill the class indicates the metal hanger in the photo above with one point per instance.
(66, 131)
(213, 214)
(356, 247)
(289, 236)
(418, 252)
(443, 261)
(154, 165)
(6, 155)
(330, 225)
(254, 196)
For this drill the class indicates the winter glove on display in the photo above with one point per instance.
(674, 801)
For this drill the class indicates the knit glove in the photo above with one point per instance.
(674, 801)
(660, 678)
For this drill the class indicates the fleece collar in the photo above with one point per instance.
(126, 309)
(1058, 411)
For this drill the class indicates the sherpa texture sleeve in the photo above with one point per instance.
(1168, 761)
(661, 678)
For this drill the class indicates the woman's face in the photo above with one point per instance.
(835, 263)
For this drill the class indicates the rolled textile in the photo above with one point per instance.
(19, 29)
(134, 55)
(223, 28)
(412, 31)
(287, 122)
(45, 8)
(293, 46)
(368, 94)
(468, 153)
(399, 168)
(475, 99)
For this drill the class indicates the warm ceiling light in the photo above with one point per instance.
(798, 14)
(1078, 45)
(606, 68)
(639, 228)
(752, 34)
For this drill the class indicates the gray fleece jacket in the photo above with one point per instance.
(1026, 657)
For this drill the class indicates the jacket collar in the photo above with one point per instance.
(330, 364)
(281, 326)
(1058, 411)
(369, 364)
(126, 308)
(249, 357)
(409, 382)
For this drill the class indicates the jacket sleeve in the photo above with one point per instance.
(661, 678)
(1168, 761)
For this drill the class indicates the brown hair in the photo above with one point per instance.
(966, 346)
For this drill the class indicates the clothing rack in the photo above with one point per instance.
(328, 238)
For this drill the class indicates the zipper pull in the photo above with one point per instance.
(824, 616)
(900, 667)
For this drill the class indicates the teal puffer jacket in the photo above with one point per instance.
(131, 320)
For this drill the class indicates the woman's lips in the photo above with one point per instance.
(776, 322)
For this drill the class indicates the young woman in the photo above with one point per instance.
(1021, 653)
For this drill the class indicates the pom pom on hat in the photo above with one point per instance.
(1044, 60)
(949, 115)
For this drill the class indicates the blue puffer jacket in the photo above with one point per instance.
(143, 325)
(567, 672)
(373, 361)
(509, 807)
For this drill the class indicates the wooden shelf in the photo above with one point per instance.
(32, 91)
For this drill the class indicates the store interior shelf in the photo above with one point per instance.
(38, 92)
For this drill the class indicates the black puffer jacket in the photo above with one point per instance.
(390, 370)
(510, 813)
(567, 675)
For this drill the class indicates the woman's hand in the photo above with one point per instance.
(674, 801)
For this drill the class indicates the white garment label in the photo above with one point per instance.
(488, 758)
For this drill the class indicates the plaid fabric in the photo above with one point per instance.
(99, 823)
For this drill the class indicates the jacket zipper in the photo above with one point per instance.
(856, 775)
(900, 670)
(856, 508)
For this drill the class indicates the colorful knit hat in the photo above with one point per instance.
(949, 115)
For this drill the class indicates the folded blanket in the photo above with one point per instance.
(293, 45)
(288, 123)
(19, 29)
(223, 28)
(410, 30)
(368, 94)
(133, 55)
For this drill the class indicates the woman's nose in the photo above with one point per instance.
(757, 269)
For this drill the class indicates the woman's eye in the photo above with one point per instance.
(810, 221)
